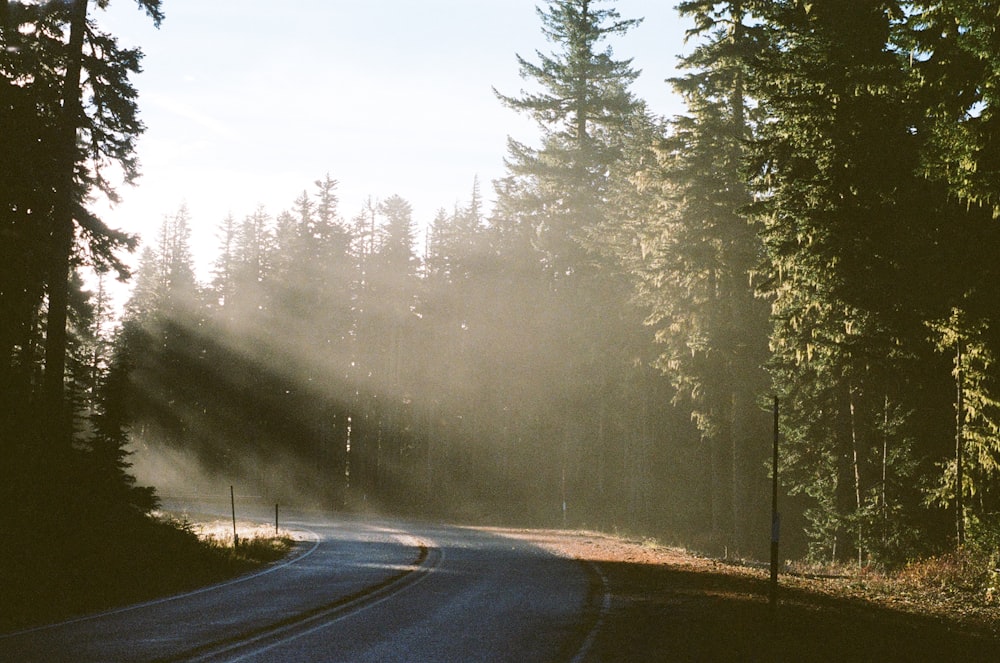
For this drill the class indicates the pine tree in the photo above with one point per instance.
(455, 240)
(860, 255)
(559, 189)
(394, 282)
(161, 323)
(252, 264)
(553, 208)
(437, 254)
(699, 255)
(954, 47)
(108, 479)
(29, 107)
(955, 54)
(100, 132)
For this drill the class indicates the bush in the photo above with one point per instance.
(54, 574)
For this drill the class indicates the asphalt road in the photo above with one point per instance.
(355, 590)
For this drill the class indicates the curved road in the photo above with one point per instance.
(355, 590)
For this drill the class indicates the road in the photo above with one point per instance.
(356, 590)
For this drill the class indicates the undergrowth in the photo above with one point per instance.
(55, 571)
(957, 587)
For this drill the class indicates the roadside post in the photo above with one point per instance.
(775, 516)
(232, 502)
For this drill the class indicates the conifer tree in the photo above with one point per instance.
(582, 110)
(954, 52)
(699, 256)
(97, 125)
(954, 46)
(252, 265)
(859, 247)
(224, 265)
(69, 122)
(554, 202)
(394, 282)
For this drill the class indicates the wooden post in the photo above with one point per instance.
(276, 519)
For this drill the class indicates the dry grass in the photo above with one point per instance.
(256, 543)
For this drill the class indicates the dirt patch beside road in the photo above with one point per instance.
(669, 605)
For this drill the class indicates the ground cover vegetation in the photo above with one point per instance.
(600, 348)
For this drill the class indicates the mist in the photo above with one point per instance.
(502, 374)
(459, 385)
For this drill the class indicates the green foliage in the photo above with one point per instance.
(698, 257)
(975, 377)
(983, 545)
(956, 47)
(584, 107)
(856, 243)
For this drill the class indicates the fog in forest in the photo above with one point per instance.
(529, 361)
(467, 383)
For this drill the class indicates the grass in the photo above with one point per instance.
(257, 544)
(957, 587)
(50, 573)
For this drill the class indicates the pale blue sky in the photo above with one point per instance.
(248, 102)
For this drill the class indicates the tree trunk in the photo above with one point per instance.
(845, 493)
(885, 468)
(856, 462)
(62, 225)
(734, 423)
(723, 488)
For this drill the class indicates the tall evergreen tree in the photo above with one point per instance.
(582, 109)
(556, 201)
(954, 52)
(224, 265)
(955, 48)
(253, 242)
(69, 121)
(860, 246)
(159, 334)
(101, 132)
(699, 256)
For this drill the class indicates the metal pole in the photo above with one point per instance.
(959, 450)
(775, 516)
(276, 519)
(232, 502)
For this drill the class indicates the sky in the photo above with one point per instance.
(246, 103)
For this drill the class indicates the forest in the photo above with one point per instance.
(600, 347)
